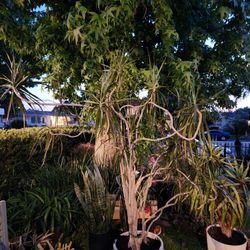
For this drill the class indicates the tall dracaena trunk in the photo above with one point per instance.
(105, 148)
(225, 225)
(128, 178)
(227, 231)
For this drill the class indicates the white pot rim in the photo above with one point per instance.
(217, 225)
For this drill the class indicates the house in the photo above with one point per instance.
(227, 119)
(1, 117)
(39, 118)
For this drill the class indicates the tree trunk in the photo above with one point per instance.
(105, 149)
(226, 231)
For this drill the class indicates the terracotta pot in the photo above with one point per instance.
(213, 244)
(149, 235)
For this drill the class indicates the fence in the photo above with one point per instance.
(4, 243)
(229, 149)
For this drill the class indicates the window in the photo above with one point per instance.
(33, 119)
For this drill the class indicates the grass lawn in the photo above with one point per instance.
(177, 240)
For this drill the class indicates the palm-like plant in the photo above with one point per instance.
(13, 87)
(230, 206)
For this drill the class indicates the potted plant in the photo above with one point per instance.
(134, 136)
(229, 208)
(98, 207)
(222, 192)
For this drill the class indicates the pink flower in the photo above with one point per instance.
(147, 210)
(151, 161)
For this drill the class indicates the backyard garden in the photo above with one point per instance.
(137, 171)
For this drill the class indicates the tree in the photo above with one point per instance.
(17, 53)
(238, 126)
(74, 39)
(175, 31)
(13, 88)
(17, 36)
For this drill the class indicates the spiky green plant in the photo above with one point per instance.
(221, 189)
(14, 87)
(97, 203)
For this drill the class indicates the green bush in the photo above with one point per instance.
(24, 151)
(42, 209)
(49, 203)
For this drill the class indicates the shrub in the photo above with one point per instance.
(24, 151)
(40, 210)
(49, 203)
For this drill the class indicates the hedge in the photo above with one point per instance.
(24, 151)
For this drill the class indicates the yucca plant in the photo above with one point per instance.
(97, 203)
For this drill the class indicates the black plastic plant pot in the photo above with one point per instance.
(100, 241)
(154, 242)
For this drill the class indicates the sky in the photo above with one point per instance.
(47, 97)
(244, 102)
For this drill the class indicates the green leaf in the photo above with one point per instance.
(224, 11)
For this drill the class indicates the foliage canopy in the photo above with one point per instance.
(71, 41)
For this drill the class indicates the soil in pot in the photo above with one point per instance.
(152, 244)
(236, 239)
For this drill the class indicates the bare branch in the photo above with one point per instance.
(171, 202)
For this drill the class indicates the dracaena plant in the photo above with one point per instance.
(221, 190)
(14, 87)
(132, 129)
(231, 206)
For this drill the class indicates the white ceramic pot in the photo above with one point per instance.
(149, 235)
(213, 244)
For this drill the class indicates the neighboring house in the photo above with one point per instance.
(1, 118)
(226, 119)
(38, 118)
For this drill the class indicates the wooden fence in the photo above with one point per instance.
(4, 242)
